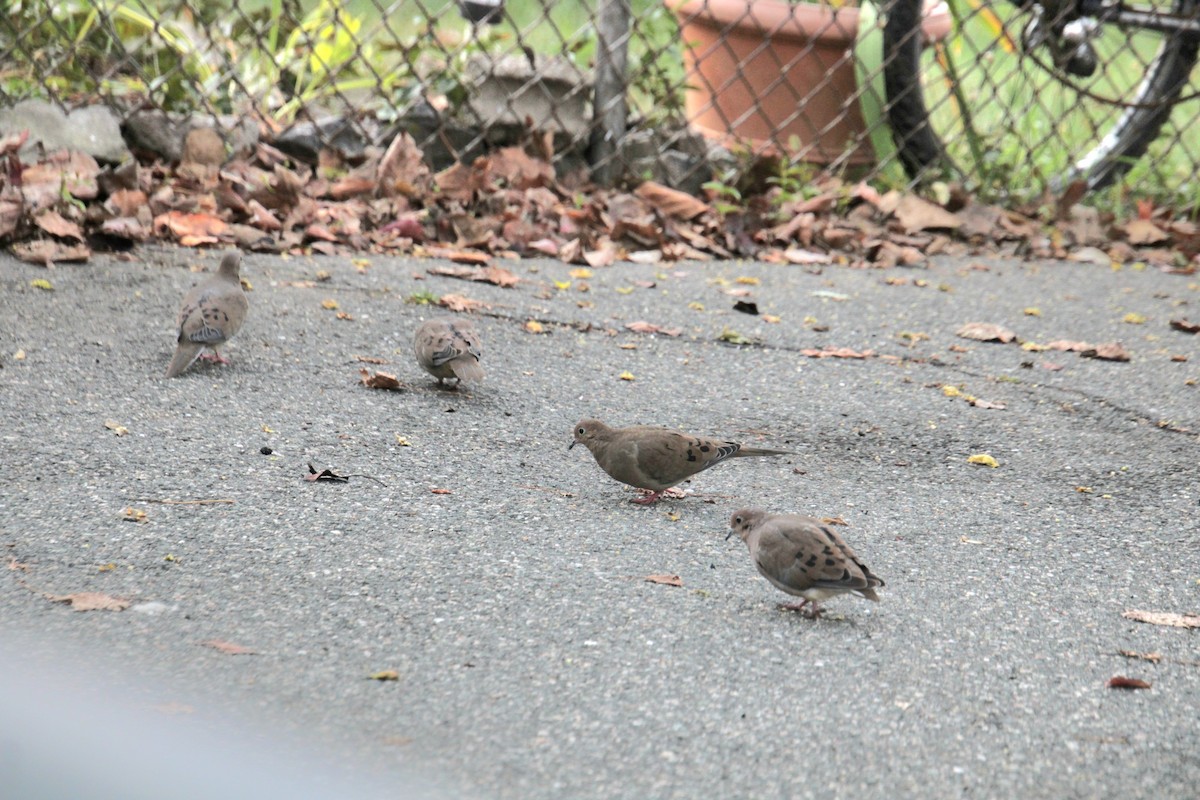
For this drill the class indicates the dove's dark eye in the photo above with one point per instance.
(737, 520)
(580, 432)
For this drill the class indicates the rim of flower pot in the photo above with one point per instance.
(815, 21)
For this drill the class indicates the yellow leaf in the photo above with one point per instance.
(1134, 318)
(42, 283)
(562, 285)
(266, 428)
(984, 459)
(109, 567)
(951, 391)
(385, 675)
(361, 264)
(533, 326)
(742, 279)
(323, 275)
(329, 304)
(116, 427)
(1032, 312)
(673, 516)
(400, 440)
(1084, 489)
(19, 355)
(624, 290)
(771, 318)
(694, 306)
(170, 557)
(580, 273)
(247, 285)
(628, 346)
(626, 376)
(131, 514)
(810, 320)
(1033, 347)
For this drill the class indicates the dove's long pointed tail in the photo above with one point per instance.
(185, 354)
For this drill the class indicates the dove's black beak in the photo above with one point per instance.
(573, 443)
(729, 534)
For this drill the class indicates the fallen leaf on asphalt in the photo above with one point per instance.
(665, 580)
(379, 380)
(1167, 618)
(1111, 351)
(986, 332)
(1068, 346)
(48, 251)
(370, 359)
(384, 675)
(1032, 312)
(43, 284)
(917, 214)
(90, 601)
(342, 315)
(533, 326)
(837, 352)
(1084, 489)
(833, 521)
(329, 305)
(580, 273)
(965, 540)
(1185, 326)
(731, 336)
(1121, 682)
(493, 274)
(641, 326)
(458, 303)
(116, 427)
(626, 376)
(983, 459)
(1153, 658)
(771, 318)
(975, 401)
(746, 307)
(1133, 318)
(228, 648)
(440, 491)
(326, 475)
(131, 514)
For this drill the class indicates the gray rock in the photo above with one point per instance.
(305, 140)
(160, 135)
(91, 129)
(551, 92)
(678, 159)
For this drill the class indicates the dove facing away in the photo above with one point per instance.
(449, 348)
(212, 312)
(655, 459)
(804, 557)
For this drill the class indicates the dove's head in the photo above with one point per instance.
(230, 264)
(586, 431)
(743, 521)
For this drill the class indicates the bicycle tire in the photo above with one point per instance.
(923, 151)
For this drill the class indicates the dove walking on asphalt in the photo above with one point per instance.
(655, 459)
(804, 557)
(449, 348)
(212, 312)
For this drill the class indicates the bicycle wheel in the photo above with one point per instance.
(982, 106)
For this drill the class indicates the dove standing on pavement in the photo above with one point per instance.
(655, 459)
(211, 314)
(803, 557)
(449, 348)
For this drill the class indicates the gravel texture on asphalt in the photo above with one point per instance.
(502, 577)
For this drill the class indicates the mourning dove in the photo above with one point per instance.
(655, 459)
(449, 348)
(803, 556)
(211, 314)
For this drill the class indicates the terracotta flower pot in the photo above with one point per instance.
(762, 71)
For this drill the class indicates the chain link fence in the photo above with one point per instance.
(1011, 99)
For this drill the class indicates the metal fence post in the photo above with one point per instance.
(608, 99)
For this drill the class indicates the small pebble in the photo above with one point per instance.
(266, 451)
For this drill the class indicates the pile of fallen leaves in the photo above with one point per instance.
(511, 203)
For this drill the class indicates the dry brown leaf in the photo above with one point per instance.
(494, 275)
(834, 521)
(48, 251)
(90, 601)
(975, 401)
(641, 326)
(665, 580)
(1110, 351)
(182, 224)
(1185, 326)
(1153, 658)
(671, 202)
(837, 352)
(1167, 618)
(1143, 231)
(986, 332)
(116, 427)
(1068, 346)
(379, 380)
(440, 491)
(1122, 682)
(56, 224)
(459, 303)
(371, 359)
(228, 648)
(916, 214)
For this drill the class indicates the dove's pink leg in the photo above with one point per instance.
(215, 357)
(646, 499)
(814, 611)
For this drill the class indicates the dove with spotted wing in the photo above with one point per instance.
(655, 459)
(449, 348)
(803, 557)
(212, 312)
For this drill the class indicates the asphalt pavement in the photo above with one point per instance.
(502, 578)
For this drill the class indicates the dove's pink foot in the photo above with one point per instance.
(214, 357)
(813, 610)
(647, 498)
